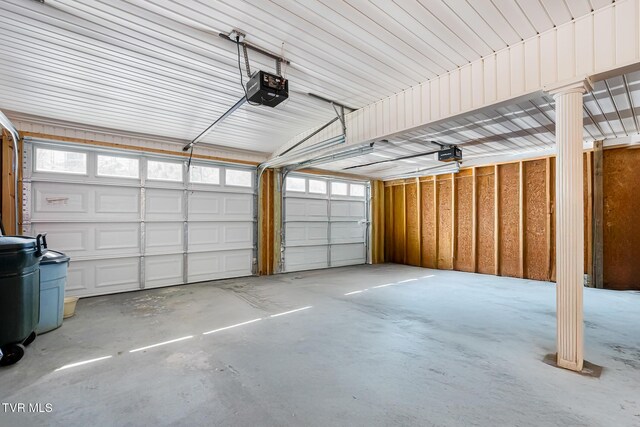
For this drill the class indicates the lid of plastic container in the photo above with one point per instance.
(54, 257)
(8, 243)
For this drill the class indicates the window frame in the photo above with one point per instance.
(36, 149)
(102, 175)
(227, 184)
(217, 168)
(148, 178)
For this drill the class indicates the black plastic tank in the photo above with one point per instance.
(19, 294)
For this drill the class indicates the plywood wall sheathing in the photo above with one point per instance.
(464, 222)
(429, 225)
(445, 224)
(377, 222)
(621, 181)
(536, 259)
(552, 202)
(413, 224)
(508, 200)
(521, 218)
(388, 223)
(501, 219)
(398, 243)
(485, 212)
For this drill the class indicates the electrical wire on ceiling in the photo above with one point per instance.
(246, 95)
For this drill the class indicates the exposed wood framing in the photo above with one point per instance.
(598, 216)
(521, 218)
(474, 223)
(404, 222)
(547, 191)
(523, 207)
(453, 220)
(7, 189)
(589, 219)
(419, 213)
(266, 224)
(436, 225)
(496, 221)
(377, 222)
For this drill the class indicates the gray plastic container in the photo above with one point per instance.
(53, 279)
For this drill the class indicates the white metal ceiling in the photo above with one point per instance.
(159, 67)
(611, 110)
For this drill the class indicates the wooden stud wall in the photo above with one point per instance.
(266, 223)
(493, 219)
(377, 222)
(7, 189)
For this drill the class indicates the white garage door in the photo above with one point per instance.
(132, 221)
(325, 222)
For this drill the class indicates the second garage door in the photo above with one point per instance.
(325, 222)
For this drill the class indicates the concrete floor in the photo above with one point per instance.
(449, 350)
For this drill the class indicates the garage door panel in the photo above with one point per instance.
(162, 237)
(211, 206)
(306, 210)
(164, 205)
(348, 255)
(212, 236)
(344, 209)
(238, 205)
(117, 200)
(71, 239)
(347, 232)
(219, 265)
(54, 201)
(119, 238)
(305, 258)
(91, 239)
(163, 270)
(98, 277)
(305, 233)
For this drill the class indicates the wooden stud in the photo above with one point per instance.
(589, 219)
(436, 230)
(547, 183)
(474, 223)
(391, 250)
(419, 217)
(496, 222)
(521, 208)
(598, 215)
(404, 222)
(453, 220)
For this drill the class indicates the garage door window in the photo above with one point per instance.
(204, 175)
(296, 184)
(59, 161)
(356, 190)
(339, 188)
(122, 167)
(317, 187)
(238, 178)
(164, 171)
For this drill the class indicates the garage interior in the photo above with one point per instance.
(425, 214)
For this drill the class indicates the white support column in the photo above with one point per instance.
(569, 224)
